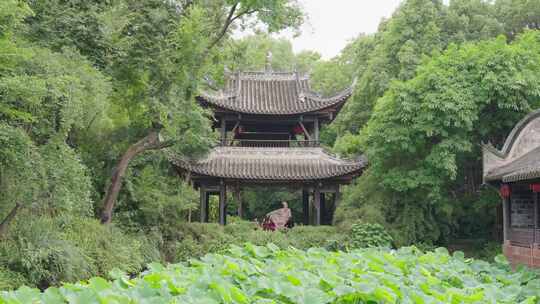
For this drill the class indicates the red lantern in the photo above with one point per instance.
(535, 187)
(298, 130)
(239, 130)
(505, 191)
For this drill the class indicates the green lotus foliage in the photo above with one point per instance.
(268, 274)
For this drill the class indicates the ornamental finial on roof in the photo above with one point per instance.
(268, 63)
(238, 85)
(354, 82)
(299, 90)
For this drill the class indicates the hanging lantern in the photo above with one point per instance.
(505, 191)
(239, 130)
(298, 130)
(535, 187)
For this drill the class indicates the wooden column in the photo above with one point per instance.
(305, 206)
(317, 205)
(222, 203)
(223, 131)
(238, 197)
(506, 218)
(536, 226)
(316, 129)
(311, 209)
(207, 206)
(332, 209)
(337, 197)
(203, 207)
(324, 209)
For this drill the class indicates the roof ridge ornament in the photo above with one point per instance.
(302, 96)
(354, 82)
(209, 81)
(238, 84)
(268, 62)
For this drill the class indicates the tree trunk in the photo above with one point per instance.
(9, 218)
(150, 142)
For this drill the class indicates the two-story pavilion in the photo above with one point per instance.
(269, 124)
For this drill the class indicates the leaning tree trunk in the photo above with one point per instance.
(9, 218)
(150, 142)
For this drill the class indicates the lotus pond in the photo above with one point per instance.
(253, 274)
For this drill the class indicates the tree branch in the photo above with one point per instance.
(229, 21)
(9, 218)
(161, 145)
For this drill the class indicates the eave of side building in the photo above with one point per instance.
(519, 159)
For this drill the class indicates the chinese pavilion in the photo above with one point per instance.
(515, 170)
(269, 124)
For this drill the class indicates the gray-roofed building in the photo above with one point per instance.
(269, 124)
(515, 169)
(271, 93)
(272, 164)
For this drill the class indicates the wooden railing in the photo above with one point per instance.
(270, 143)
(522, 237)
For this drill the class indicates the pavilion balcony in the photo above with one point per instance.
(259, 143)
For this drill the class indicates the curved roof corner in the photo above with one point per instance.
(519, 158)
(271, 93)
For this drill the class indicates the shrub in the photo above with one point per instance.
(195, 240)
(424, 247)
(68, 185)
(11, 280)
(192, 240)
(47, 250)
(37, 249)
(369, 235)
(487, 250)
(305, 237)
(108, 247)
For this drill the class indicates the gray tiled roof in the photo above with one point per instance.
(525, 167)
(272, 164)
(270, 93)
(519, 158)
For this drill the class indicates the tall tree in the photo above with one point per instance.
(44, 95)
(517, 15)
(416, 30)
(155, 52)
(425, 132)
(167, 83)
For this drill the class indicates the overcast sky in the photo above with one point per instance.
(332, 23)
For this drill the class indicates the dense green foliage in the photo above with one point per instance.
(80, 83)
(49, 250)
(434, 83)
(267, 274)
(92, 93)
(195, 240)
(369, 235)
(423, 137)
(67, 250)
